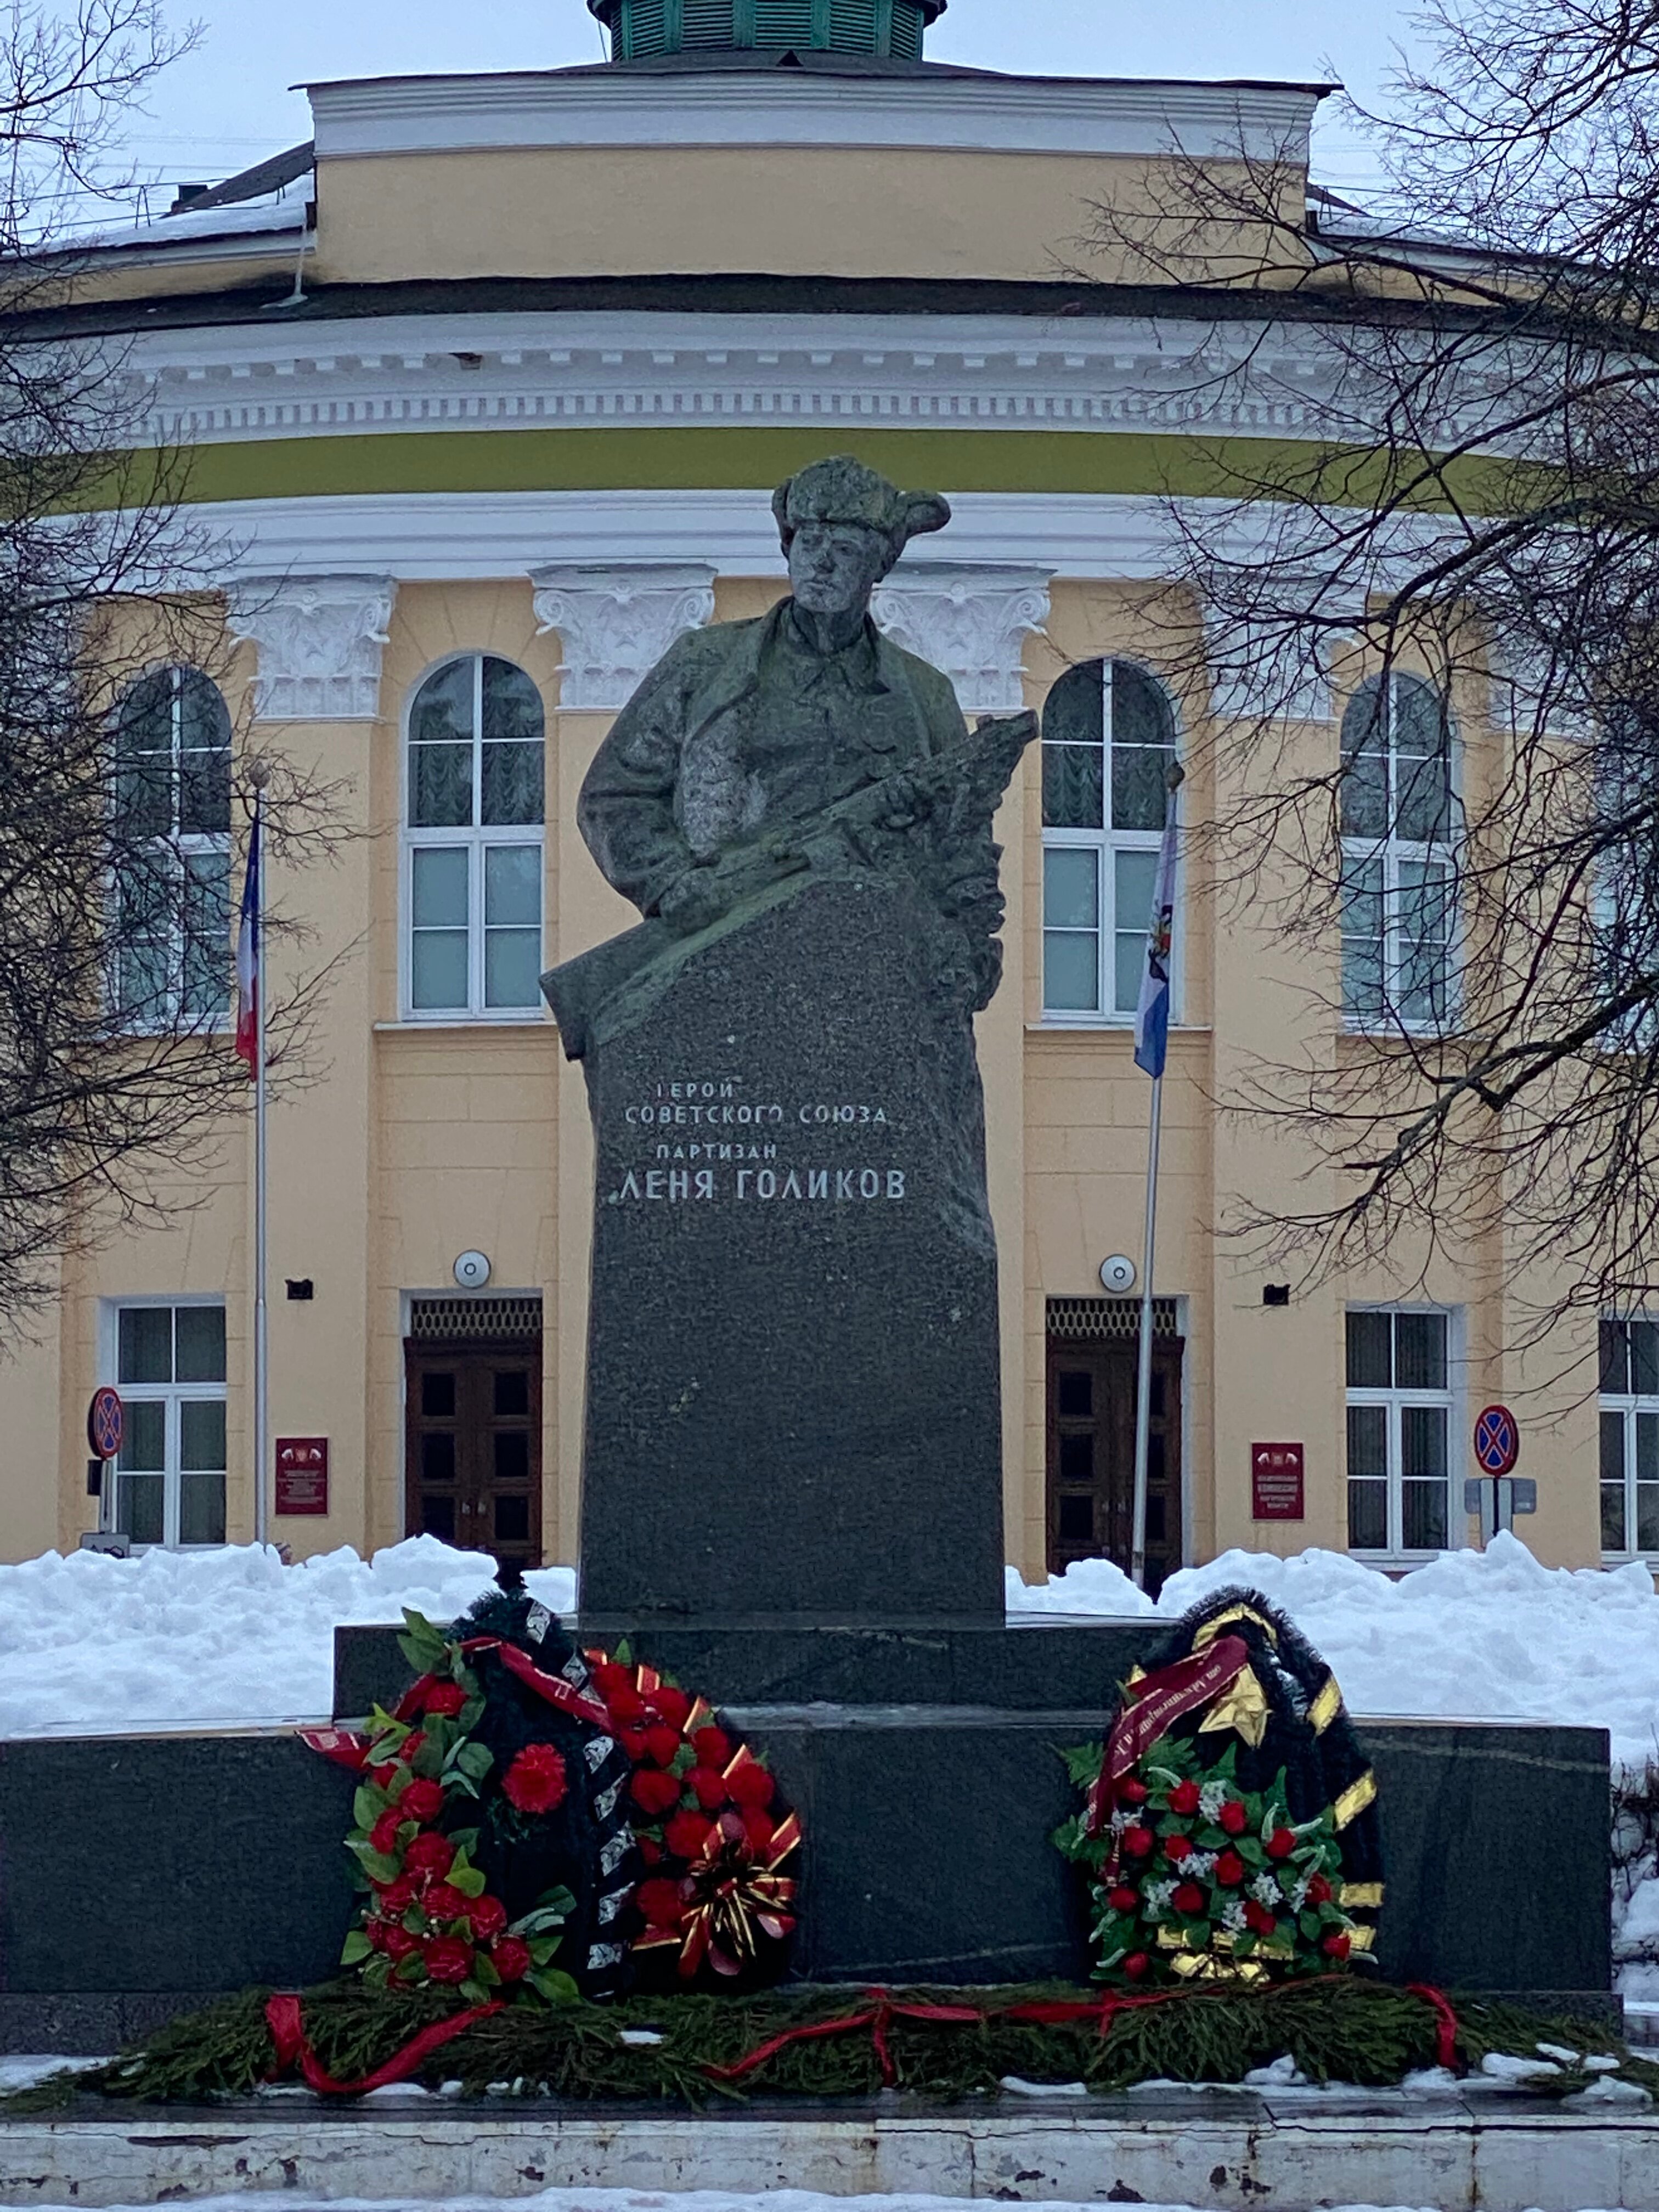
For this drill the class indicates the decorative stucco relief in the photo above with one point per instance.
(319, 638)
(970, 621)
(616, 622)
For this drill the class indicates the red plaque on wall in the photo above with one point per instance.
(302, 1474)
(1276, 1482)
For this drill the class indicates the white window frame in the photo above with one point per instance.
(1395, 1399)
(1396, 854)
(171, 1396)
(474, 841)
(176, 851)
(1627, 1405)
(1106, 844)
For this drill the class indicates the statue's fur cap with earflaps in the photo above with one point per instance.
(842, 490)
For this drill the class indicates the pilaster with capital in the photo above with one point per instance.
(970, 621)
(616, 622)
(318, 642)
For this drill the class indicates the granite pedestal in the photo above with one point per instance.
(141, 1876)
(793, 1351)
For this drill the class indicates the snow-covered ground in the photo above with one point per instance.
(176, 1639)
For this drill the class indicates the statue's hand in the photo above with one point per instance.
(693, 901)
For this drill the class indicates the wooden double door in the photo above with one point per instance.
(1092, 1454)
(473, 1447)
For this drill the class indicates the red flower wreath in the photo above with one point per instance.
(709, 1824)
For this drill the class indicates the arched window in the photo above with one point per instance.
(1398, 901)
(1109, 741)
(171, 951)
(474, 840)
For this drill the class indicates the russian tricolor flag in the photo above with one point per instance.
(247, 960)
(1153, 1009)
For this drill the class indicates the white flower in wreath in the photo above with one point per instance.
(1211, 1799)
(1266, 1891)
(1299, 1895)
(1121, 1818)
(1232, 1916)
(1201, 1866)
(1157, 1895)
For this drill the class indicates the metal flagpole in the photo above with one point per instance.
(259, 777)
(1144, 1380)
(1151, 1044)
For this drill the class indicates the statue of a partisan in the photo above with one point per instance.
(757, 753)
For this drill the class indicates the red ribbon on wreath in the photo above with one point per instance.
(347, 1749)
(286, 2020)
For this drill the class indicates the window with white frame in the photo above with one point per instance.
(1399, 1429)
(473, 841)
(1109, 742)
(170, 1371)
(1629, 1437)
(171, 922)
(1398, 891)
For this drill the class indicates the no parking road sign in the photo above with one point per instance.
(1497, 1440)
(104, 1422)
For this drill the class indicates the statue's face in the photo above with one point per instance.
(835, 566)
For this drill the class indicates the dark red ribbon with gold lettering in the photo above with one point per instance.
(1150, 1708)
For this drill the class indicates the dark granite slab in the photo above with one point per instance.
(793, 1375)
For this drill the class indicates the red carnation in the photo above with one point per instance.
(511, 1958)
(1232, 1818)
(708, 1787)
(1280, 1843)
(659, 1901)
(443, 1903)
(397, 1896)
(1337, 1947)
(396, 1942)
(757, 1826)
(1137, 1966)
(487, 1916)
(384, 1834)
(1188, 1900)
(653, 1791)
(447, 1959)
(411, 1744)
(1123, 1901)
(670, 1705)
(429, 1853)
(685, 1832)
(610, 1679)
(421, 1798)
(662, 1743)
(1184, 1798)
(1176, 1848)
(751, 1785)
(1257, 1917)
(632, 1740)
(650, 1849)
(1319, 1890)
(1229, 1869)
(1132, 1792)
(375, 1932)
(535, 1782)
(1137, 1842)
(712, 1747)
(626, 1705)
(445, 1699)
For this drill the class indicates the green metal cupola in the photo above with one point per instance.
(886, 29)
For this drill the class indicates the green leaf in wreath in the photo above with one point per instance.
(378, 1971)
(1308, 1922)
(368, 1804)
(465, 1841)
(557, 1988)
(423, 1644)
(376, 1864)
(1081, 1763)
(356, 1948)
(624, 1654)
(470, 1881)
(484, 1970)
(1211, 1838)
(475, 1760)
(474, 1991)
(542, 1949)
(429, 1762)
(1250, 1850)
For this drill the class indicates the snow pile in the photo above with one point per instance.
(172, 1638)
(1484, 1635)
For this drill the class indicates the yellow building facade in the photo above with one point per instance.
(484, 396)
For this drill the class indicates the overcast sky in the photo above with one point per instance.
(227, 104)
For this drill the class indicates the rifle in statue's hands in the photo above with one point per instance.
(947, 799)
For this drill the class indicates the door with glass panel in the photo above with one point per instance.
(170, 1476)
(1399, 1442)
(1092, 1454)
(473, 1455)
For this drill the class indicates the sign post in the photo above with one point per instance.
(1494, 1494)
(106, 1426)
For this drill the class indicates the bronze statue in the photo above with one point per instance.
(804, 742)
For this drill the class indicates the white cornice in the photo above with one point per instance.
(1014, 115)
(233, 383)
